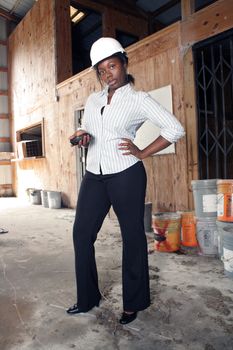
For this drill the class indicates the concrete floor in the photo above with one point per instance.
(192, 300)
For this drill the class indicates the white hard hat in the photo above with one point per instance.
(103, 48)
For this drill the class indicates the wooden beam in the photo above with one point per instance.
(3, 69)
(9, 16)
(187, 8)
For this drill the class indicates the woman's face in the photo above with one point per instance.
(112, 72)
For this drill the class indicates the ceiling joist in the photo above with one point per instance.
(9, 16)
(165, 7)
(16, 4)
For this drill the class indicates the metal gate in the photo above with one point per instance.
(213, 60)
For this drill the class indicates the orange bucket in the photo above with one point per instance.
(188, 229)
(225, 200)
(166, 227)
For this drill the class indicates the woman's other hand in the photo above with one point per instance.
(156, 146)
(84, 141)
(130, 148)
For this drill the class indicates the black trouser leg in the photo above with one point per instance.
(127, 195)
(92, 207)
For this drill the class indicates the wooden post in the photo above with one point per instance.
(191, 121)
(63, 40)
(187, 8)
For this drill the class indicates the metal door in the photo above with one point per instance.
(213, 60)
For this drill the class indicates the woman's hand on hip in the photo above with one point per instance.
(130, 148)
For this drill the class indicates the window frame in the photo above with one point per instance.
(20, 142)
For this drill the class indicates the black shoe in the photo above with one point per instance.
(76, 310)
(127, 318)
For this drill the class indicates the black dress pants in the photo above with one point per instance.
(125, 191)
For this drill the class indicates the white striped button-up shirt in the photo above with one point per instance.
(127, 111)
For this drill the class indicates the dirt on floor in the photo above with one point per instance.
(192, 299)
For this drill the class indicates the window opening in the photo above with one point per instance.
(86, 27)
(200, 4)
(30, 141)
(126, 39)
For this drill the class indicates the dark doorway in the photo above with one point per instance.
(86, 27)
(214, 91)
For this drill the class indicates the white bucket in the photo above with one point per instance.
(220, 226)
(207, 236)
(35, 196)
(205, 197)
(228, 251)
(54, 199)
(44, 198)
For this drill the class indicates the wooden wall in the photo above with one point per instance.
(161, 59)
(39, 58)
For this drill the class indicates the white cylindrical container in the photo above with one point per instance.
(35, 196)
(44, 198)
(228, 251)
(205, 197)
(54, 199)
(207, 236)
(220, 226)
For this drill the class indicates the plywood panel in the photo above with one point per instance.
(154, 44)
(205, 23)
(33, 45)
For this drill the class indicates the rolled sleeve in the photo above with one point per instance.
(170, 128)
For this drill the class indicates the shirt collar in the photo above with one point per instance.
(122, 89)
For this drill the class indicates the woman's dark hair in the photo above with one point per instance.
(124, 60)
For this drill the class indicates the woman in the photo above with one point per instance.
(115, 176)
